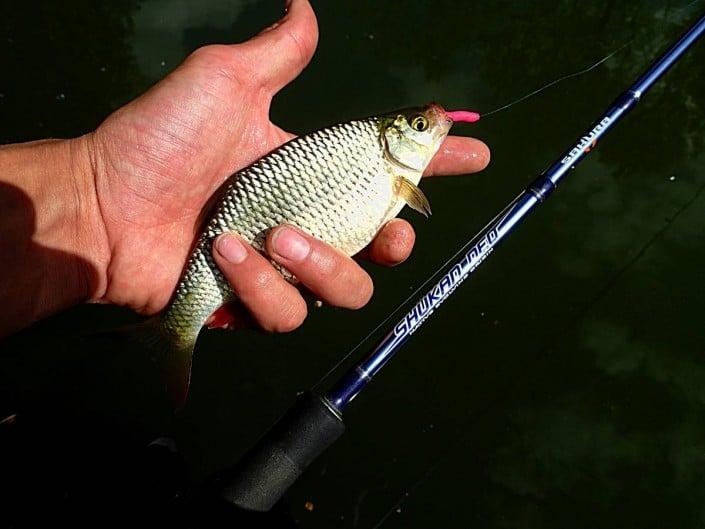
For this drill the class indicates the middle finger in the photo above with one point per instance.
(327, 272)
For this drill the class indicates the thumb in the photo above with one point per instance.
(279, 53)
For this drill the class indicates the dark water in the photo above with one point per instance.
(562, 386)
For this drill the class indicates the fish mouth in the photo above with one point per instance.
(436, 114)
(439, 115)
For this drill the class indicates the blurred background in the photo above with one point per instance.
(563, 385)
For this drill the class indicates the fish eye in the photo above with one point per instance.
(419, 123)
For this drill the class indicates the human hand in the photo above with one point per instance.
(161, 157)
(155, 162)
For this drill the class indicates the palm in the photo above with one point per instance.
(159, 159)
(162, 157)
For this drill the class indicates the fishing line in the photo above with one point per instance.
(484, 115)
(642, 251)
(609, 284)
(411, 296)
(606, 288)
(315, 421)
(436, 273)
(691, 4)
(556, 81)
(467, 245)
(588, 69)
(667, 16)
(407, 494)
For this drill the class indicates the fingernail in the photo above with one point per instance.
(290, 244)
(230, 248)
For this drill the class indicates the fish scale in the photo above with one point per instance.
(303, 183)
(339, 184)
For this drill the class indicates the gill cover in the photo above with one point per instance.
(413, 136)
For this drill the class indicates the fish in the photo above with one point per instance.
(340, 184)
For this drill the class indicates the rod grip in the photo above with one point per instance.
(268, 469)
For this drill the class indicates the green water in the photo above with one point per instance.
(562, 386)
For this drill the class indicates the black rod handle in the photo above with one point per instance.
(265, 473)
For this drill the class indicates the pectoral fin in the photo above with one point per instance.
(413, 196)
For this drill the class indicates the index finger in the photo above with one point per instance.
(459, 155)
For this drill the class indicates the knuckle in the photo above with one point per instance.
(209, 53)
(254, 282)
(345, 280)
(264, 279)
(291, 317)
(256, 79)
(334, 268)
(221, 62)
(301, 43)
(330, 266)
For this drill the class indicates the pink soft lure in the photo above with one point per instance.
(463, 116)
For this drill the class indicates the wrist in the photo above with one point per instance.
(89, 240)
(52, 238)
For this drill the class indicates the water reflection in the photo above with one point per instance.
(161, 39)
(570, 386)
(65, 66)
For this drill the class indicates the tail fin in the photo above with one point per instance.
(173, 355)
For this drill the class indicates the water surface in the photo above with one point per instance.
(562, 386)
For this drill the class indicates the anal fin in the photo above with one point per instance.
(172, 355)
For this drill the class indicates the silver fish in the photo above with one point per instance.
(340, 184)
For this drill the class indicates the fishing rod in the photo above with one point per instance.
(265, 473)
